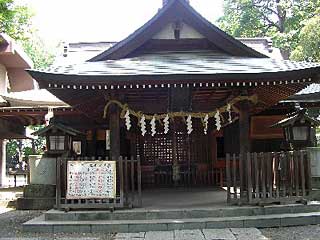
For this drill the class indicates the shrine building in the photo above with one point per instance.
(183, 97)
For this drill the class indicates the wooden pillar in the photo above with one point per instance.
(244, 139)
(244, 127)
(94, 143)
(114, 125)
(175, 165)
(3, 159)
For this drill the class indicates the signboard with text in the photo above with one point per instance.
(91, 179)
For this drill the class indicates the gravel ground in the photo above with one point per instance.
(11, 227)
(311, 232)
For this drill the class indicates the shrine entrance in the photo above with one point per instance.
(178, 159)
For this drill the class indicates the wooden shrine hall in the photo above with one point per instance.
(180, 94)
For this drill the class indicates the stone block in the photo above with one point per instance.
(203, 213)
(72, 228)
(186, 225)
(37, 228)
(218, 234)
(297, 220)
(235, 212)
(188, 234)
(125, 236)
(35, 203)
(237, 223)
(140, 227)
(61, 216)
(109, 228)
(39, 191)
(159, 235)
(262, 223)
(247, 234)
(127, 215)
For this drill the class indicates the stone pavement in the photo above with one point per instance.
(205, 234)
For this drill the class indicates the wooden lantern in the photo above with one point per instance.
(298, 129)
(61, 139)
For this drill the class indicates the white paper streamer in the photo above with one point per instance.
(153, 126)
(166, 124)
(205, 122)
(229, 113)
(218, 120)
(189, 124)
(127, 120)
(143, 125)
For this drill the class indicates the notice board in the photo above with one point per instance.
(91, 179)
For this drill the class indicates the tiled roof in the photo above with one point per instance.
(83, 51)
(181, 63)
(312, 88)
(33, 98)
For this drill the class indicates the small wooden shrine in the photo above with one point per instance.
(179, 93)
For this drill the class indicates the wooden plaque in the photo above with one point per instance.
(260, 127)
(91, 179)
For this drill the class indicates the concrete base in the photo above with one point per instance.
(37, 197)
(35, 203)
(39, 191)
(166, 220)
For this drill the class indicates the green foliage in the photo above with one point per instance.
(17, 150)
(15, 20)
(41, 56)
(282, 20)
(308, 48)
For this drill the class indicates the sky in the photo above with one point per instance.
(102, 20)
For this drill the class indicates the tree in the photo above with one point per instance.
(40, 54)
(308, 48)
(279, 19)
(18, 150)
(15, 20)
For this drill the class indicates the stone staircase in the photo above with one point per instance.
(141, 220)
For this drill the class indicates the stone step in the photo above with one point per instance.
(110, 226)
(143, 214)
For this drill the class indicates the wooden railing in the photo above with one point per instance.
(199, 175)
(128, 187)
(268, 177)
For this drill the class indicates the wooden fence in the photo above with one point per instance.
(268, 177)
(128, 187)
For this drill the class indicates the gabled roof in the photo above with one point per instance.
(294, 117)
(171, 12)
(58, 126)
(310, 94)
